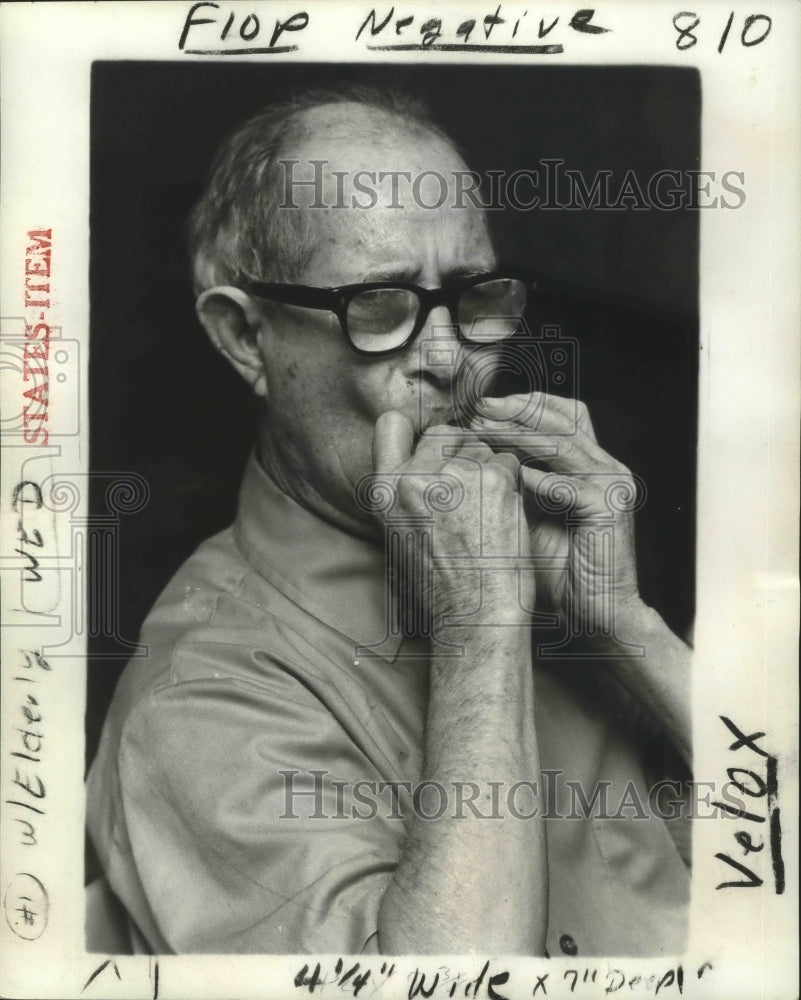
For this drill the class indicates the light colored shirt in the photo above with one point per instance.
(253, 670)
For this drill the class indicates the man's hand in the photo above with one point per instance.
(469, 496)
(589, 571)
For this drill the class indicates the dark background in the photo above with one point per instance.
(622, 284)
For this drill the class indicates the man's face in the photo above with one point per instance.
(323, 398)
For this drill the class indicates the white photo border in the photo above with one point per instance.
(743, 941)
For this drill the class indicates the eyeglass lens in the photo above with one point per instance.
(383, 318)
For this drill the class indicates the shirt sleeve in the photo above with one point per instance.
(255, 820)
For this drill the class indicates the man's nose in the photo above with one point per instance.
(437, 345)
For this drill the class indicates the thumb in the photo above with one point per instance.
(393, 439)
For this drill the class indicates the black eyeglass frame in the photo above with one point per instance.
(336, 300)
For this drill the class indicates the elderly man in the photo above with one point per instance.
(340, 738)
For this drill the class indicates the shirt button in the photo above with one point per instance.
(568, 945)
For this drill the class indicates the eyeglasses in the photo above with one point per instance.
(381, 317)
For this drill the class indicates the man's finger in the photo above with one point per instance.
(558, 494)
(537, 409)
(393, 440)
(509, 461)
(570, 453)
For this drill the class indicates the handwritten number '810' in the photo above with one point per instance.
(756, 28)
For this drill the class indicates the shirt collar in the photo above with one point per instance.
(339, 579)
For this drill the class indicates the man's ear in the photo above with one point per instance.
(234, 323)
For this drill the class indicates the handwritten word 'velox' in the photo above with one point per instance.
(753, 785)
